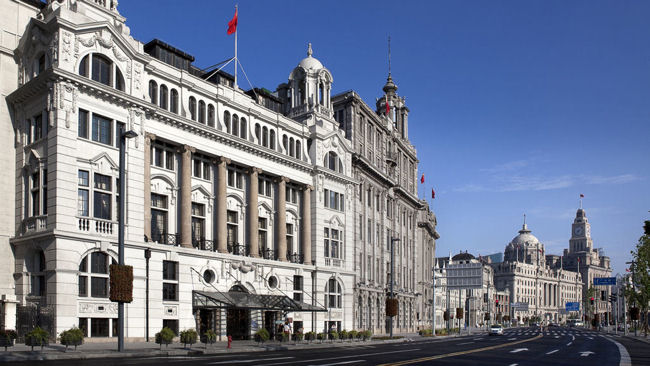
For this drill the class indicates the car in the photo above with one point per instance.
(496, 329)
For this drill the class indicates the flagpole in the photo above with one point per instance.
(236, 60)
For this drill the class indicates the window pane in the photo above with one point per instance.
(83, 124)
(101, 130)
(169, 270)
(82, 202)
(99, 327)
(99, 263)
(102, 206)
(103, 182)
(99, 287)
(169, 291)
(83, 286)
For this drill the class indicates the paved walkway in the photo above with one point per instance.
(20, 352)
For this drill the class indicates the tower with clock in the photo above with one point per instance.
(580, 234)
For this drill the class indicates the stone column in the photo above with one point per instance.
(253, 244)
(305, 237)
(222, 175)
(148, 138)
(281, 219)
(186, 196)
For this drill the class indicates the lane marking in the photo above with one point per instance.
(586, 353)
(518, 350)
(462, 344)
(512, 339)
(514, 364)
(437, 357)
(248, 361)
(339, 363)
(570, 343)
(625, 357)
(552, 352)
(341, 357)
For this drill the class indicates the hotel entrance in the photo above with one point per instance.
(238, 324)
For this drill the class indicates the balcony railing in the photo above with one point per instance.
(34, 224)
(166, 238)
(294, 257)
(237, 249)
(267, 253)
(204, 244)
(96, 226)
(333, 262)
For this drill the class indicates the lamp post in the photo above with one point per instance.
(392, 278)
(120, 233)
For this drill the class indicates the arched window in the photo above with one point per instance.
(226, 120)
(265, 136)
(333, 162)
(292, 150)
(258, 131)
(173, 101)
(93, 273)
(333, 294)
(84, 66)
(201, 112)
(321, 90)
(285, 141)
(298, 153)
(210, 115)
(119, 80)
(193, 108)
(242, 128)
(235, 125)
(153, 92)
(272, 139)
(163, 97)
(101, 69)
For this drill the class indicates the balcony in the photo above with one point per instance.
(96, 226)
(334, 262)
(166, 238)
(294, 257)
(237, 249)
(34, 224)
(204, 244)
(267, 253)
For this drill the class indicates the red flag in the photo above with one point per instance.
(433, 194)
(387, 107)
(582, 195)
(232, 25)
(422, 179)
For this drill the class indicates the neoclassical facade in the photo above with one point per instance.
(536, 279)
(386, 207)
(231, 196)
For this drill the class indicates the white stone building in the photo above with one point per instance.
(230, 198)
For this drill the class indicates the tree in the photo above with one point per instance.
(639, 292)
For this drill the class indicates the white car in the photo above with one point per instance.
(496, 329)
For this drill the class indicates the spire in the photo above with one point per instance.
(388, 56)
(390, 87)
(309, 50)
(524, 228)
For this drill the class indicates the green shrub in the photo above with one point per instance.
(310, 336)
(165, 336)
(353, 334)
(7, 338)
(210, 336)
(344, 334)
(322, 337)
(72, 337)
(262, 335)
(367, 334)
(37, 337)
(425, 332)
(298, 337)
(188, 336)
(334, 335)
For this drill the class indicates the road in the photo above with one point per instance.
(517, 347)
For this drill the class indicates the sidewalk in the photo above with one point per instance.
(20, 352)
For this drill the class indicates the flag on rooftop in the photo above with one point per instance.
(232, 24)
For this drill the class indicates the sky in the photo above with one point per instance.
(516, 107)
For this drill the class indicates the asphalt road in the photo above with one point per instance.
(521, 346)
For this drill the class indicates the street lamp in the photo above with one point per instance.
(120, 233)
(392, 278)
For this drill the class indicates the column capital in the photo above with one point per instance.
(187, 149)
(254, 170)
(308, 187)
(282, 179)
(148, 137)
(221, 159)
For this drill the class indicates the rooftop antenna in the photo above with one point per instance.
(388, 55)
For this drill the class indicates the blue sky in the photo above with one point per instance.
(516, 106)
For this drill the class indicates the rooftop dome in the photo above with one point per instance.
(310, 62)
(462, 257)
(524, 237)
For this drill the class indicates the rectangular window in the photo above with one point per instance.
(196, 171)
(83, 286)
(262, 234)
(170, 281)
(35, 196)
(38, 127)
(171, 324)
(297, 288)
(327, 242)
(98, 287)
(170, 270)
(99, 327)
(289, 237)
(170, 291)
(102, 130)
(232, 228)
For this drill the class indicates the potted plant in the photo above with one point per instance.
(367, 334)
(209, 337)
(37, 337)
(322, 337)
(353, 334)
(188, 336)
(344, 334)
(8, 338)
(262, 335)
(72, 337)
(334, 335)
(310, 336)
(165, 336)
(298, 336)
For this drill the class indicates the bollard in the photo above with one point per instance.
(229, 341)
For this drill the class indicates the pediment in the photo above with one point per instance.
(104, 164)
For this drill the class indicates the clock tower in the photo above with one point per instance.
(580, 234)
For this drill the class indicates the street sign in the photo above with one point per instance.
(572, 306)
(465, 276)
(605, 281)
(520, 306)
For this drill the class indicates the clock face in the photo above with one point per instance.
(578, 230)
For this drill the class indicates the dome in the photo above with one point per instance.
(462, 257)
(309, 62)
(524, 237)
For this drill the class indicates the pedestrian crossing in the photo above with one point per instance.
(552, 333)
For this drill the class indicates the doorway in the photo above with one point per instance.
(238, 323)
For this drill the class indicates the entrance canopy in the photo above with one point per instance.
(243, 300)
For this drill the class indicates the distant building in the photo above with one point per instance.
(494, 258)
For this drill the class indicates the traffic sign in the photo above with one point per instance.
(572, 306)
(605, 281)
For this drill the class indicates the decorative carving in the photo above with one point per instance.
(104, 42)
(53, 90)
(171, 310)
(54, 49)
(66, 45)
(118, 54)
(97, 308)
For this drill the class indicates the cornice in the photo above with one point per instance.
(367, 167)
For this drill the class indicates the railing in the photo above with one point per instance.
(267, 253)
(34, 224)
(95, 226)
(237, 249)
(166, 238)
(294, 257)
(333, 262)
(204, 244)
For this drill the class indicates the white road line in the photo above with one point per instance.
(339, 363)
(249, 361)
(341, 357)
(512, 339)
(514, 364)
(556, 337)
(570, 343)
(462, 344)
(551, 352)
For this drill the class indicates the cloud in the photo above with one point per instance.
(534, 183)
(616, 179)
(506, 167)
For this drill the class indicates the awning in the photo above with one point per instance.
(243, 300)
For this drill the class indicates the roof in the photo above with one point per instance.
(243, 300)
